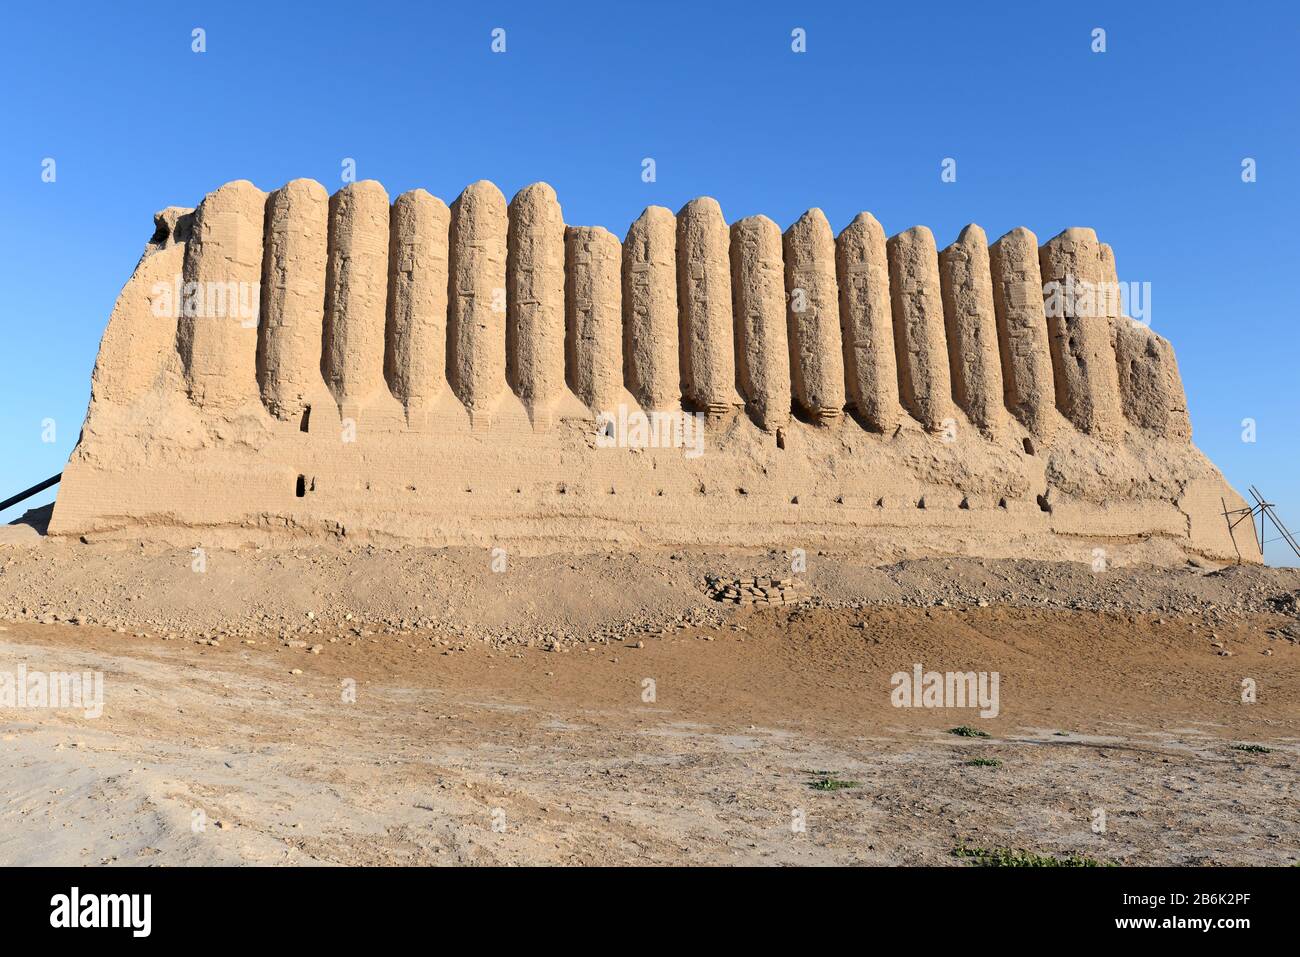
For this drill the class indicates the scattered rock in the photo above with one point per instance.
(756, 591)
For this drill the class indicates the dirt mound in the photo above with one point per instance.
(489, 594)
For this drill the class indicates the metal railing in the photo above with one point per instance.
(28, 493)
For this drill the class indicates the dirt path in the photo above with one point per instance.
(513, 754)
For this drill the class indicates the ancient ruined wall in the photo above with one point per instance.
(479, 370)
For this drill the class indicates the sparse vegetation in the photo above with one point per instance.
(1004, 857)
(1252, 748)
(967, 732)
(831, 783)
(983, 763)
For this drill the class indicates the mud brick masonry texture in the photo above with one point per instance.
(418, 371)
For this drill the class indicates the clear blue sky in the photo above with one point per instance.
(1143, 142)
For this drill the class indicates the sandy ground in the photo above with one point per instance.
(414, 744)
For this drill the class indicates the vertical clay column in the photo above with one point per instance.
(650, 351)
(1150, 385)
(1108, 296)
(870, 365)
(293, 296)
(920, 343)
(816, 355)
(1083, 358)
(356, 292)
(535, 301)
(1022, 330)
(594, 316)
(704, 297)
(477, 339)
(415, 360)
(216, 334)
(762, 346)
(972, 329)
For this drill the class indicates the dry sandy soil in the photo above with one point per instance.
(501, 717)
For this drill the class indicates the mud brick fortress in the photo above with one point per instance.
(296, 364)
